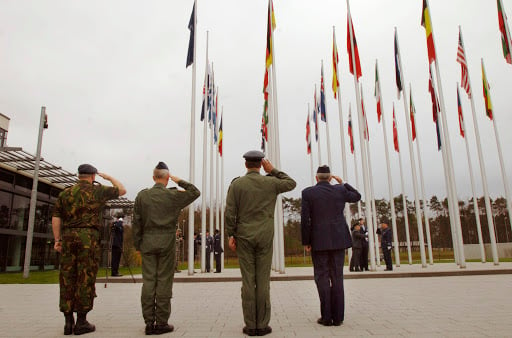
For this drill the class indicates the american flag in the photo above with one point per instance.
(461, 58)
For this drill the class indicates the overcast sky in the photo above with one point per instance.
(113, 79)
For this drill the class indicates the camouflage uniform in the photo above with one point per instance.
(156, 212)
(249, 218)
(80, 208)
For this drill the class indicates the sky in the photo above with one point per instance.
(112, 77)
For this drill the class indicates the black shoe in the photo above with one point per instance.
(250, 332)
(337, 323)
(265, 331)
(216, 272)
(70, 323)
(324, 322)
(149, 329)
(162, 328)
(116, 275)
(83, 327)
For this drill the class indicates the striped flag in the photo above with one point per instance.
(398, 71)
(308, 136)
(435, 108)
(271, 26)
(461, 58)
(366, 133)
(377, 92)
(349, 49)
(264, 119)
(505, 38)
(461, 117)
(323, 112)
(191, 28)
(206, 88)
(487, 94)
(335, 59)
(395, 132)
(413, 115)
(315, 117)
(350, 130)
(220, 136)
(427, 23)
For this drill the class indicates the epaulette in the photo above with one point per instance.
(233, 180)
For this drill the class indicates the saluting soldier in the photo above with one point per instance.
(156, 212)
(249, 222)
(76, 223)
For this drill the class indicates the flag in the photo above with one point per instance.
(214, 117)
(505, 38)
(220, 136)
(308, 136)
(398, 71)
(377, 92)
(349, 49)
(323, 112)
(487, 94)
(366, 133)
(264, 120)
(412, 114)
(350, 130)
(206, 88)
(315, 118)
(271, 25)
(435, 108)
(461, 58)
(461, 117)
(395, 132)
(335, 59)
(191, 28)
(427, 23)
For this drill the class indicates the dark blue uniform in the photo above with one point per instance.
(387, 245)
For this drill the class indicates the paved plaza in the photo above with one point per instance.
(450, 304)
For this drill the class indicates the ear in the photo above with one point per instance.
(316, 177)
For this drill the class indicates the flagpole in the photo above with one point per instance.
(500, 154)
(315, 111)
(205, 158)
(329, 162)
(475, 201)
(412, 160)
(222, 197)
(364, 159)
(422, 185)
(359, 212)
(404, 201)
(481, 162)
(212, 167)
(447, 144)
(217, 180)
(190, 239)
(310, 152)
(390, 184)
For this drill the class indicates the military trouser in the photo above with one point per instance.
(157, 276)
(255, 262)
(78, 269)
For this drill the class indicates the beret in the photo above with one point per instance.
(324, 169)
(254, 155)
(162, 165)
(87, 169)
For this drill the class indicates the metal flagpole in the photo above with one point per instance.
(205, 157)
(404, 201)
(364, 159)
(33, 195)
(310, 152)
(212, 171)
(472, 179)
(329, 162)
(315, 111)
(413, 162)
(222, 196)
(359, 212)
(390, 183)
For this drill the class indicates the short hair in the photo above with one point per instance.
(160, 173)
(323, 176)
(84, 176)
(253, 164)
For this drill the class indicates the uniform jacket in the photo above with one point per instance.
(217, 244)
(386, 238)
(156, 212)
(250, 204)
(357, 239)
(209, 244)
(322, 221)
(117, 232)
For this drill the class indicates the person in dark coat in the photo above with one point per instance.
(357, 247)
(209, 249)
(326, 234)
(117, 246)
(217, 250)
(365, 248)
(386, 244)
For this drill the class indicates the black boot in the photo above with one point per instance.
(82, 325)
(70, 323)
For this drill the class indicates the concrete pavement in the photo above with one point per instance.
(420, 306)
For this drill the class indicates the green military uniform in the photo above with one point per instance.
(249, 218)
(156, 212)
(80, 208)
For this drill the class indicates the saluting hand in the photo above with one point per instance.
(175, 179)
(232, 243)
(267, 166)
(337, 178)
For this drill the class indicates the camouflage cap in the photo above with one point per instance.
(87, 169)
(254, 155)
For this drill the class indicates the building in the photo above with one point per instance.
(16, 178)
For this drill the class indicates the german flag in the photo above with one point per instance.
(335, 59)
(427, 23)
(271, 25)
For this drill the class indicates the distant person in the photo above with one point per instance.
(365, 248)
(325, 233)
(209, 249)
(179, 244)
(249, 219)
(217, 250)
(155, 217)
(76, 225)
(357, 246)
(386, 244)
(197, 245)
(117, 246)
